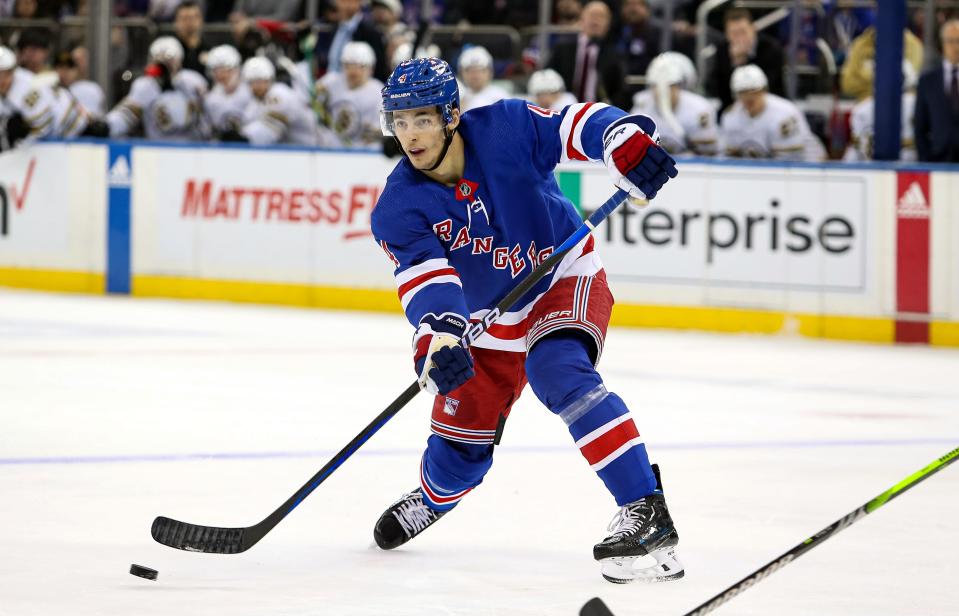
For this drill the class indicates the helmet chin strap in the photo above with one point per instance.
(446, 146)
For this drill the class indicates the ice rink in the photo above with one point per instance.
(116, 410)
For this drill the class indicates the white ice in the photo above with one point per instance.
(115, 410)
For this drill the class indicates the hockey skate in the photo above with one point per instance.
(641, 545)
(406, 518)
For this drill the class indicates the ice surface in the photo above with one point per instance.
(115, 410)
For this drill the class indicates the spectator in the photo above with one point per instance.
(937, 102)
(247, 38)
(742, 46)
(686, 121)
(188, 29)
(763, 125)
(88, 93)
(33, 50)
(862, 122)
(351, 26)
(589, 63)
(165, 101)
(276, 114)
(387, 16)
(567, 12)
(277, 10)
(476, 70)
(548, 91)
(351, 99)
(856, 77)
(230, 96)
(639, 39)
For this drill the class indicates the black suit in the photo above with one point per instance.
(768, 56)
(609, 69)
(936, 122)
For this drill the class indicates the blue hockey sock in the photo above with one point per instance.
(562, 376)
(449, 470)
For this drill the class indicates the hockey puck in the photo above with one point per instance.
(144, 572)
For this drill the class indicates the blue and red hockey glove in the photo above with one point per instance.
(442, 363)
(634, 158)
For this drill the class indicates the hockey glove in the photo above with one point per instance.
(232, 135)
(634, 158)
(17, 129)
(442, 363)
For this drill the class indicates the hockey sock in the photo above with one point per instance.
(562, 376)
(449, 470)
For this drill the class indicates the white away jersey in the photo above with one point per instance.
(487, 96)
(90, 95)
(174, 114)
(354, 115)
(697, 131)
(33, 99)
(862, 124)
(279, 117)
(224, 110)
(780, 131)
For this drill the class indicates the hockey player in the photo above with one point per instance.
(167, 101)
(351, 99)
(226, 102)
(686, 121)
(34, 106)
(476, 71)
(762, 125)
(276, 114)
(548, 90)
(862, 122)
(472, 208)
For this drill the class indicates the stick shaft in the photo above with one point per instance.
(831, 530)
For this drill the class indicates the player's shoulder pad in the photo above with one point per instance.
(399, 203)
(144, 87)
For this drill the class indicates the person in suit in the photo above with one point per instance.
(590, 63)
(352, 26)
(743, 45)
(937, 102)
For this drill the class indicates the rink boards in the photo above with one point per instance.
(862, 252)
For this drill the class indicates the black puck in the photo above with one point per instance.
(144, 572)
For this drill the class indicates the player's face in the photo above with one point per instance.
(476, 77)
(356, 74)
(6, 78)
(950, 42)
(260, 87)
(546, 99)
(225, 76)
(753, 101)
(421, 134)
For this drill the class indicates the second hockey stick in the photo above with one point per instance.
(219, 540)
(845, 522)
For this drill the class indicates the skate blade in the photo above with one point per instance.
(660, 566)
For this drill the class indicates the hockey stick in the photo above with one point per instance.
(217, 540)
(595, 607)
(783, 560)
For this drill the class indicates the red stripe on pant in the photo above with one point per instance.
(609, 442)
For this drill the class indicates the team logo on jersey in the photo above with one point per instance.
(450, 406)
(465, 189)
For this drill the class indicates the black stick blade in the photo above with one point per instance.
(595, 607)
(196, 538)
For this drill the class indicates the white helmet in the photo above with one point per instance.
(8, 60)
(544, 82)
(258, 68)
(908, 75)
(223, 56)
(749, 77)
(165, 50)
(475, 56)
(358, 52)
(690, 78)
(665, 70)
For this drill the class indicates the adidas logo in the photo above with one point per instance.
(912, 203)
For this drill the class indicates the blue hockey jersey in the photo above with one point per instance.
(461, 249)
